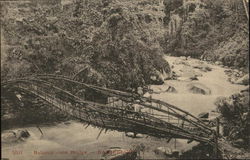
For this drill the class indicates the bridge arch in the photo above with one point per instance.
(156, 118)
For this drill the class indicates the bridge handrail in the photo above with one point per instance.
(129, 95)
(121, 94)
(89, 102)
(173, 132)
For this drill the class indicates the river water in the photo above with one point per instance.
(73, 141)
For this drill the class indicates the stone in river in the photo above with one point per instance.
(171, 89)
(14, 136)
(218, 63)
(203, 115)
(198, 88)
(243, 80)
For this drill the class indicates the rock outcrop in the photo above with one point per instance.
(14, 136)
(198, 88)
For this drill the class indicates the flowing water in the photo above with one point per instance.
(73, 141)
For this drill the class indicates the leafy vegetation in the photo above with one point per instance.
(212, 30)
(98, 42)
(235, 111)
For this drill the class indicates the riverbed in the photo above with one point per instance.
(72, 140)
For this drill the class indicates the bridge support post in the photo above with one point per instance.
(216, 136)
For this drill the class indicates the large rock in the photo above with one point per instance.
(157, 80)
(218, 63)
(133, 135)
(157, 89)
(187, 74)
(183, 58)
(181, 61)
(9, 137)
(243, 80)
(188, 79)
(203, 115)
(163, 88)
(22, 134)
(203, 67)
(166, 151)
(163, 151)
(171, 89)
(198, 88)
(14, 136)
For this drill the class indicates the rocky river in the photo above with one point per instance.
(195, 88)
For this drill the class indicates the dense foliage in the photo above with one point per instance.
(100, 42)
(216, 30)
(235, 111)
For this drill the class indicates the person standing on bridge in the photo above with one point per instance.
(140, 91)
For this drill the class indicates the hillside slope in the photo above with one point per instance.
(110, 43)
(213, 30)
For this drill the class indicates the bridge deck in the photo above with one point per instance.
(124, 112)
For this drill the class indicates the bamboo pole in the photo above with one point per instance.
(246, 8)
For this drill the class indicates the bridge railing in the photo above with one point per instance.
(156, 118)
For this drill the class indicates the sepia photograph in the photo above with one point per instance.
(125, 80)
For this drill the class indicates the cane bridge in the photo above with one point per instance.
(111, 109)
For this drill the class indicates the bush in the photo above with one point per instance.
(98, 42)
(214, 30)
(235, 111)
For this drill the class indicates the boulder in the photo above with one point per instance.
(194, 78)
(134, 135)
(14, 136)
(198, 88)
(245, 90)
(157, 80)
(175, 75)
(243, 80)
(171, 89)
(185, 78)
(203, 67)
(190, 141)
(159, 89)
(175, 153)
(147, 94)
(203, 115)
(187, 74)
(166, 151)
(139, 136)
(22, 134)
(218, 63)
(163, 151)
(9, 137)
(130, 134)
(183, 58)
(207, 68)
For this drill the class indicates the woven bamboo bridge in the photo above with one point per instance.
(111, 109)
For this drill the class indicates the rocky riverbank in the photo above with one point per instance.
(195, 95)
(198, 86)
